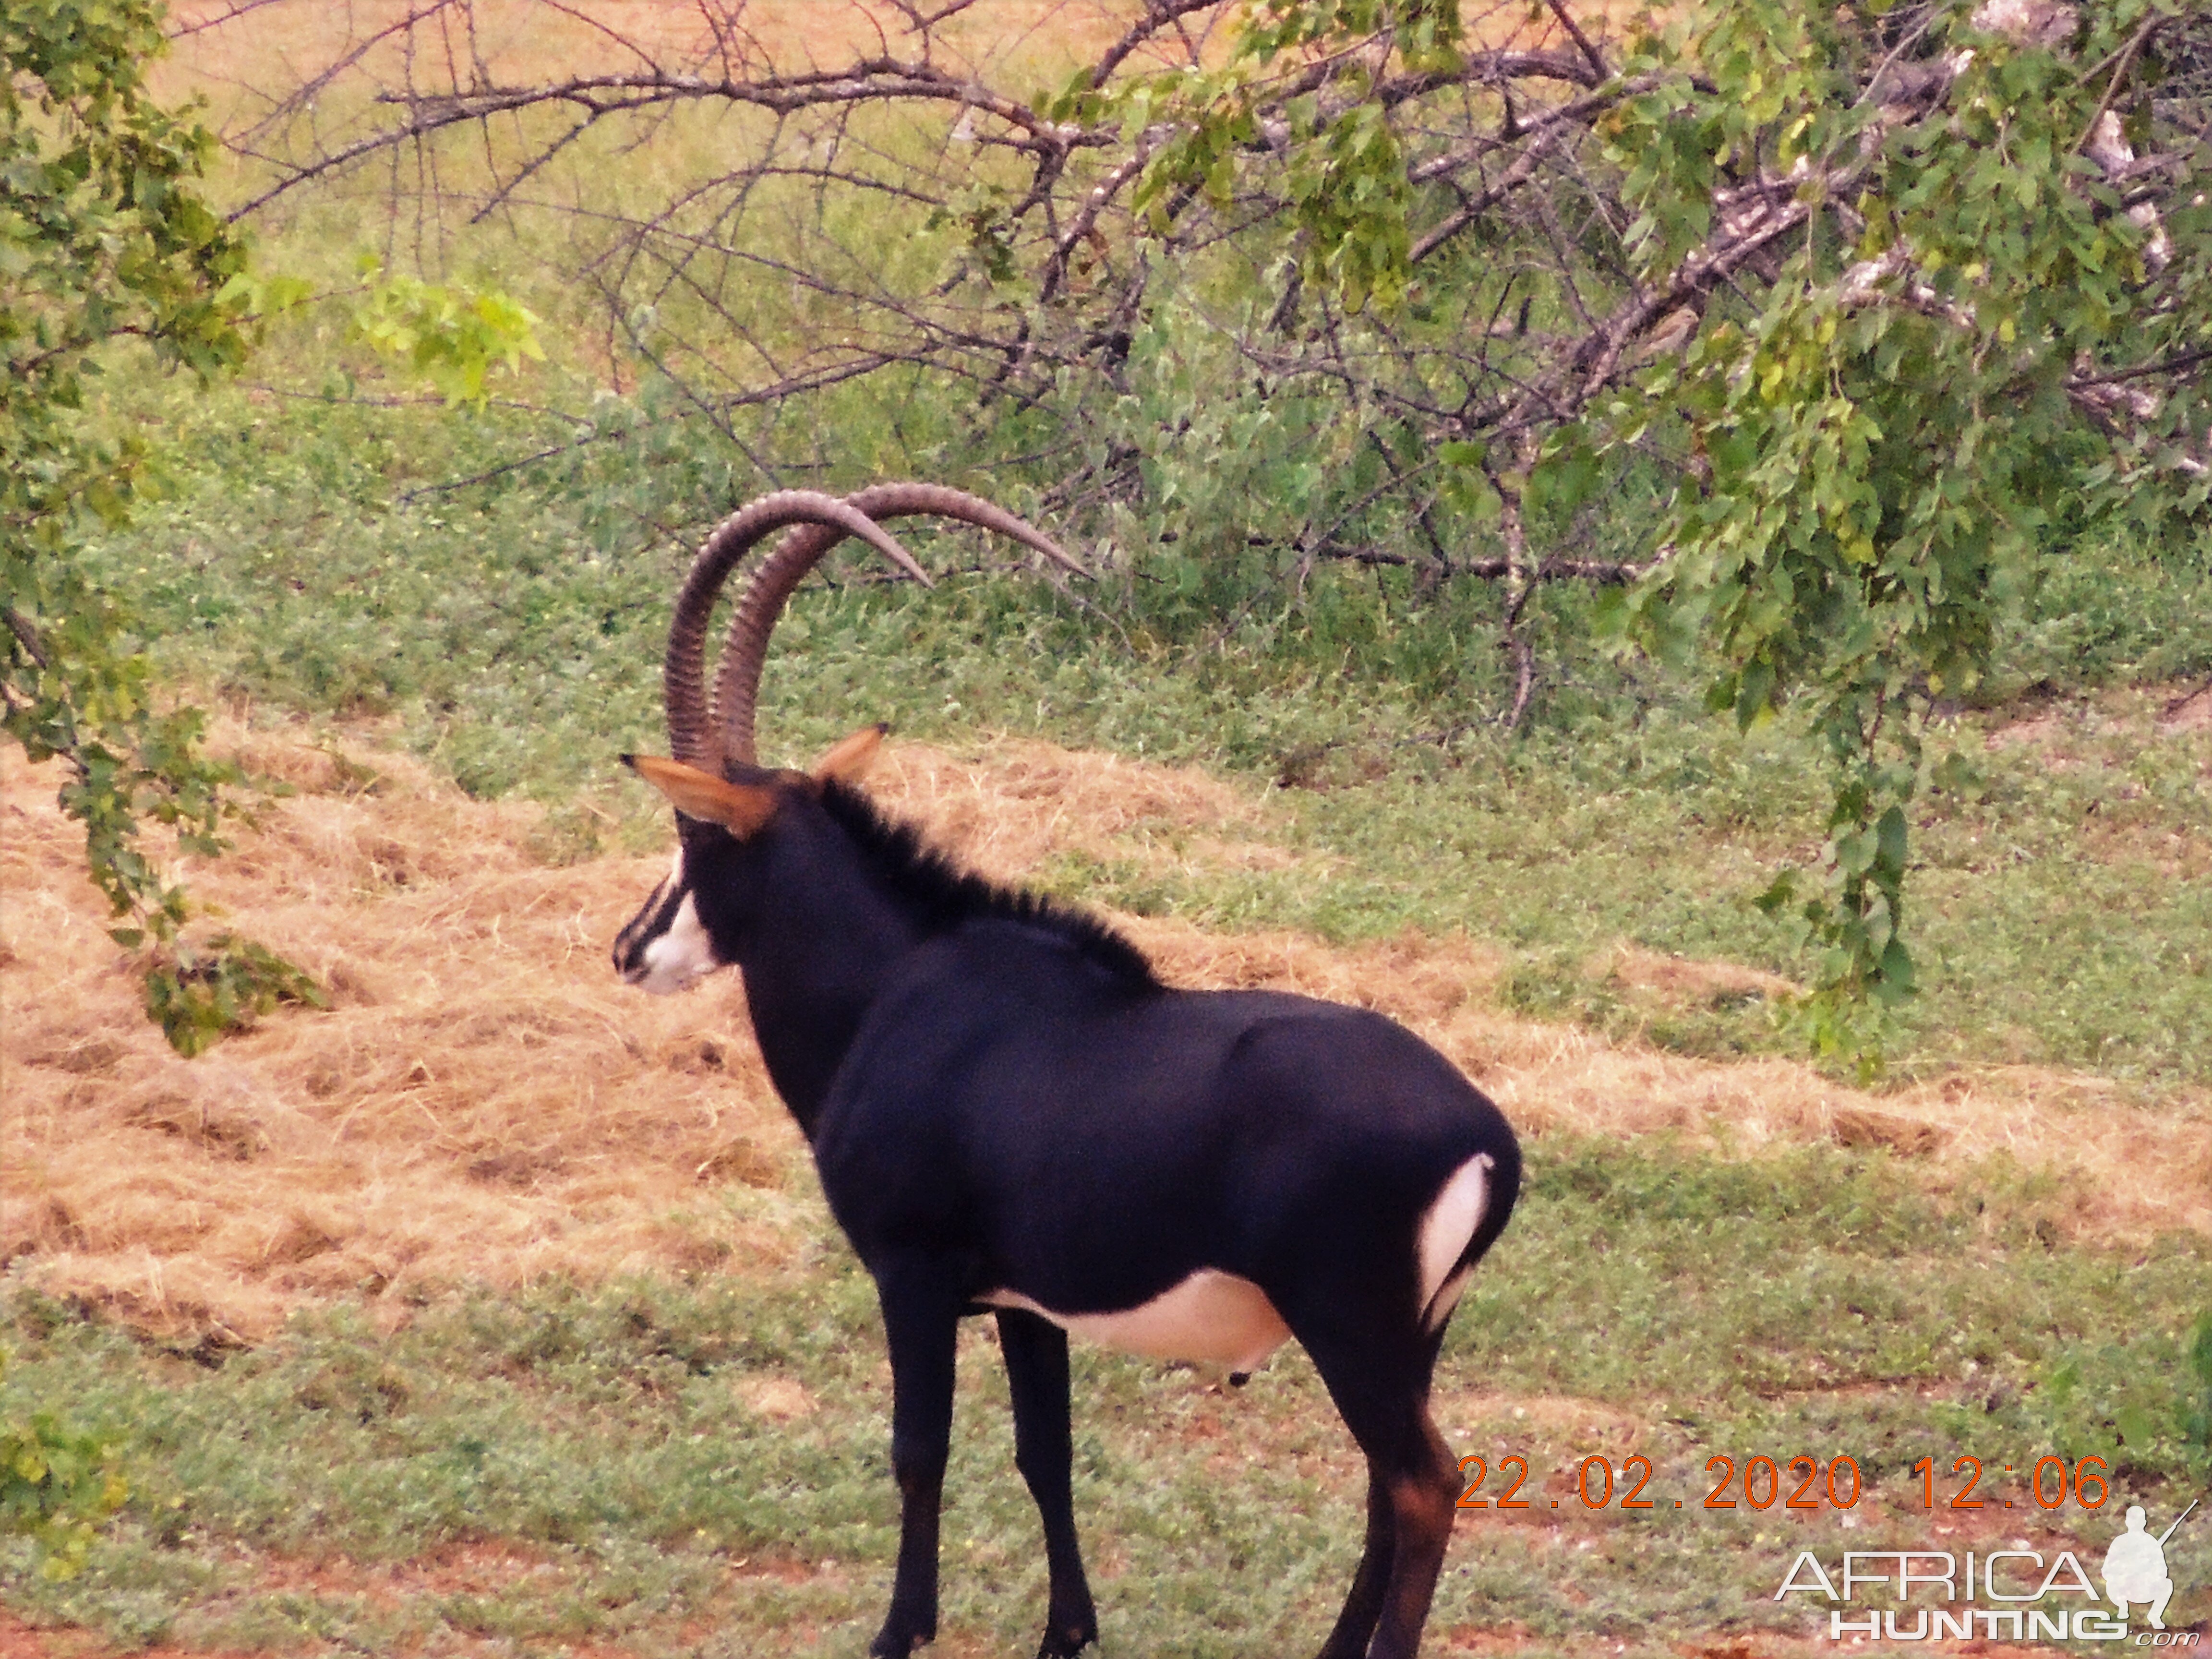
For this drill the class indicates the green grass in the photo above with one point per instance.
(591, 1452)
(511, 633)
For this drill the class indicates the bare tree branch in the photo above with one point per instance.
(897, 212)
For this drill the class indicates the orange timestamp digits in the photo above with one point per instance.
(1505, 1500)
(2086, 1476)
(1599, 1484)
(1796, 1483)
(1764, 1474)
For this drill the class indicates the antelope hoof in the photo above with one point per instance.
(897, 1638)
(1066, 1641)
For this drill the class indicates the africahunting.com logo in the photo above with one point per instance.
(2016, 1595)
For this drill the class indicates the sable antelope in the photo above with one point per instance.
(1011, 1113)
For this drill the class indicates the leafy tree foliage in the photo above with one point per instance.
(103, 238)
(1984, 323)
(1898, 287)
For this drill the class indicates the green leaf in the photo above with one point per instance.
(1778, 893)
(1896, 970)
(1889, 831)
(198, 996)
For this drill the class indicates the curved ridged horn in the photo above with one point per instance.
(744, 652)
(682, 674)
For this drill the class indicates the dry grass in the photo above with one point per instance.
(482, 1102)
(240, 59)
(485, 1103)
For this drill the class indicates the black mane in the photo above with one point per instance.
(944, 894)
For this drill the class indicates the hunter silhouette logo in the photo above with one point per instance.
(2135, 1566)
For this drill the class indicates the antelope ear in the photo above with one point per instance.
(848, 762)
(740, 808)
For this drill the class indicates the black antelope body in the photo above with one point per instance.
(1011, 1113)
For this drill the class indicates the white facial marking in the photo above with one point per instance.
(681, 957)
(1453, 1216)
(1209, 1315)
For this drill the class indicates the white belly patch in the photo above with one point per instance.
(1210, 1316)
(1453, 1216)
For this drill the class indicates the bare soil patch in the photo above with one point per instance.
(19, 1640)
(485, 1103)
(2189, 709)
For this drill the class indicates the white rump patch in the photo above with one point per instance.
(1445, 1229)
(681, 957)
(1210, 1316)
